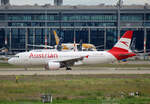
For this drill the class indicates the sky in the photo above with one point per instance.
(77, 2)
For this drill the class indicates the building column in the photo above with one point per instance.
(74, 33)
(26, 40)
(105, 38)
(10, 39)
(89, 35)
(145, 33)
(45, 38)
(33, 37)
(118, 23)
(6, 37)
(119, 6)
(49, 36)
(145, 39)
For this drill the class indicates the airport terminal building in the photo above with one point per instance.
(98, 25)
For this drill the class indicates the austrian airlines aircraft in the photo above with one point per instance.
(54, 60)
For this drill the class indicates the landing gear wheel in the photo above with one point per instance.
(46, 67)
(68, 69)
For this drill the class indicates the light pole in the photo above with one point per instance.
(46, 19)
(119, 4)
(145, 33)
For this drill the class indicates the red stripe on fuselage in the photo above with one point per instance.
(120, 53)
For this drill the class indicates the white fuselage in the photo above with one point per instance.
(42, 58)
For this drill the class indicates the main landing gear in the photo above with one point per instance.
(68, 68)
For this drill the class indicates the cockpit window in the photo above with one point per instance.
(15, 56)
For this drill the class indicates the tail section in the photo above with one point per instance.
(124, 43)
(56, 38)
(121, 50)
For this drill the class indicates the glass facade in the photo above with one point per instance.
(97, 37)
(2, 38)
(148, 16)
(93, 17)
(148, 40)
(18, 38)
(131, 17)
(55, 17)
(111, 37)
(98, 28)
(20, 17)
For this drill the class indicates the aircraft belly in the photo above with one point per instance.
(94, 60)
(107, 58)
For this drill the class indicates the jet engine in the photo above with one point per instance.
(52, 66)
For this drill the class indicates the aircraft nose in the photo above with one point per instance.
(10, 61)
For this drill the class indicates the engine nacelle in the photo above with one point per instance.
(53, 66)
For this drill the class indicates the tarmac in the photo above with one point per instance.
(79, 70)
(75, 71)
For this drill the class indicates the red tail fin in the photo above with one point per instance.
(121, 49)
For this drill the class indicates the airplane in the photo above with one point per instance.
(3, 50)
(68, 46)
(4, 54)
(59, 59)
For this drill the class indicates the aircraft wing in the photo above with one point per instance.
(2, 53)
(4, 58)
(99, 46)
(71, 61)
(43, 46)
(142, 54)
